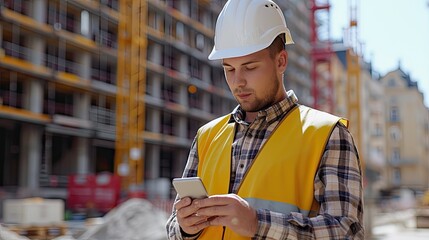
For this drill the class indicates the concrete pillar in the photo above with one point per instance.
(179, 162)
(33, 90)
(206, 73)
(206, 101)
(39, 10)
(1, 41)
(85, 23)
(30, 157)
(184, 63)
(81, 105)
(155, 53)
(33, 95)
(152, 162)
(181, 127)
(156, 121)
(83, 60)
(183, 95)
(82, 153)
(81, 110)
(156, 86)
(184, 7)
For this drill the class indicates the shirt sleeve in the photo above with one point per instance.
(338, 190)
(172, 226)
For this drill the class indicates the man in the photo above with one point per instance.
(274, 169)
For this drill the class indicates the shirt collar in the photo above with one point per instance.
(271, 114)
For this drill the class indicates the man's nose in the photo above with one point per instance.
(239, 78)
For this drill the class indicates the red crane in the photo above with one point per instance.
(321, 52)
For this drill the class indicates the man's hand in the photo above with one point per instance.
(187, 218)
(226, 210)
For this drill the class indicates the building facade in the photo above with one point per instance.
(58, 86)
(407, 129)
(371, 145)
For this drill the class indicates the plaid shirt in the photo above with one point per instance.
(337, 184)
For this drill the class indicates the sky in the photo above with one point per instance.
(392, 32)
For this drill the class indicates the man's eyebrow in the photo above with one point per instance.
(243, 64)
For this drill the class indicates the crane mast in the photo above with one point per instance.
(131, 83)
(354, 75)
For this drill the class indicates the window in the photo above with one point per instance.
(103, 70)
(396, 155)
(61, 155)
(391, 82)
(166, 162)
(378, 132)
(167, 123)
(170, 91)
(58, 102)
(18, 6)
(196, 67)
(193, 126)
(111, 4)
(196, 100)
(11, 90)
(394, 114)
(155, 20)
(395, 133)
(180, 31)
(171, 59)
(397, 176)
(216, 105)
(199, 41)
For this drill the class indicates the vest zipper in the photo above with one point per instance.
(223, 232)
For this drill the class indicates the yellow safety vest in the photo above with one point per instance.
(282, 175)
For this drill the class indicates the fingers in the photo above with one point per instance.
(182, 203)
(194, 225)
(216, 200)
(217, 210)
(187, 218)
(185, 208)
(218, 205)
(229, 210)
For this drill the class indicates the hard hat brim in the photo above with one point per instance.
(239, 52)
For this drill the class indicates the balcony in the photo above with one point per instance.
(11, 99)
(17, 6)
(62, 65)
(395, 162)
(105, 76)
(15, 50)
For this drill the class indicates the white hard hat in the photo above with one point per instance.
(247, 26)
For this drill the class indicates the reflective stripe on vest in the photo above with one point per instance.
(281, 176)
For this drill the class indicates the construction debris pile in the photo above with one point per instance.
(135, 219)
(9, 235)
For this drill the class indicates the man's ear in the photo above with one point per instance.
(282, 60)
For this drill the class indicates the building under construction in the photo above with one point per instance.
(120, 86)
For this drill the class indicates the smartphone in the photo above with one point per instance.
(192, 187)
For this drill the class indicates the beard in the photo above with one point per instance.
(261, 100)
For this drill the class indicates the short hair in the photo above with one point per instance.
(277, 45)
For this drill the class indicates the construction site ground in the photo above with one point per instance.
(135, 219)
